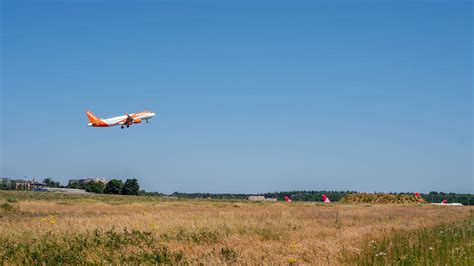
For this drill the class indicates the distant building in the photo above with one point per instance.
(5, 183)
(27, 184)
(270, 199)
(20, 184)
(256, 198)
(260, 198)
(88, 180)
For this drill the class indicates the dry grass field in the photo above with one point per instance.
(52, 228)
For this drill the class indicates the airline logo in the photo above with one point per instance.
(94, 121)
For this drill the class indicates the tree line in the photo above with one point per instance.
(114, 186)
(131, 187)
(317, 196)
(294, 195)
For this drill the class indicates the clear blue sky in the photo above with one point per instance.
(251, 96)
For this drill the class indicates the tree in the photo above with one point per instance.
(114, 186)
(94, 187)
(131, 187)
(74, 185)
(50, 183)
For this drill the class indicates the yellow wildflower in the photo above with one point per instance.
(291, 260)
(152, 226)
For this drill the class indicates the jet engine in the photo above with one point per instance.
(137, 121)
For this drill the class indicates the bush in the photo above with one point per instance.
(228, 254)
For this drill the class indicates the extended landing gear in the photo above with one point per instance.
(128, 126)
(121, 127)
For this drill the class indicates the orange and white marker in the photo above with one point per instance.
(326, 199)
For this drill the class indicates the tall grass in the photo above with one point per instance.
(15, 196)
(97, 247)
(55, 228)
(446, 244)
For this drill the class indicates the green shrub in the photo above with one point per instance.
(6, 207)
(199, 235)
(267, 233)
(12, 200)
(447, 244)
(96, 247)
(228, 254)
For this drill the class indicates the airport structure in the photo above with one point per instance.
(260, 198)
(20, 184)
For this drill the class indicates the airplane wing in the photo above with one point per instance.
(128, 120)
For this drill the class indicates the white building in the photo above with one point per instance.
(256, 198)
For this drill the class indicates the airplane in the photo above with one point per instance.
(124, 120)
(445, 203)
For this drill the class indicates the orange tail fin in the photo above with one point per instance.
(92, 117)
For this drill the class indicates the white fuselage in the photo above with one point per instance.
(113, 121)
(448, 204)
